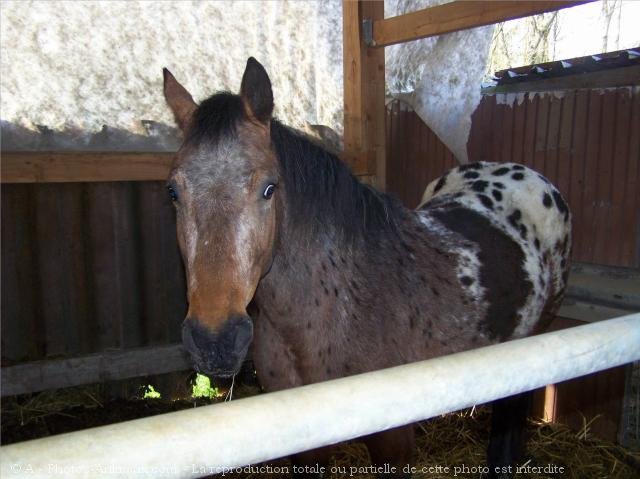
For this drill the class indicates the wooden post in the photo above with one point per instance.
(364, 108)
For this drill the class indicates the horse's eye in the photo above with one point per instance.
(172, 193)
(268, 191)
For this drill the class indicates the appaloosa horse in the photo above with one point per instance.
(345, 279)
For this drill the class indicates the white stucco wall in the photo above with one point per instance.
(88, 74)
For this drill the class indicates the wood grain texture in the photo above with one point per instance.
(106, 366)
(83, 166)
(364, 109)
(415, 154)
(587, 143)
(455, 16)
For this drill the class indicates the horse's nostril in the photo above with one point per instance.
(244, 333)
(227, 343)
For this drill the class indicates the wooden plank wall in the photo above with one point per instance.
(587, 142)
(415, 155)
(88, 267)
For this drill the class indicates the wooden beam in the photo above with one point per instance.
(107, 366)
(91, 166)
(458, 15)
(364, 109)
(83, 166)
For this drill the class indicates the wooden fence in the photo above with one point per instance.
(587, 142)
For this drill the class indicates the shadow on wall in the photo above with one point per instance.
(156, 137)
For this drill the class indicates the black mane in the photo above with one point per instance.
(320, 189)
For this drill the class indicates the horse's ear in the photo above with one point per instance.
(179, 99)
(255, 91)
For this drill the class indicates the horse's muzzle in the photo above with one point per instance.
(218, 353)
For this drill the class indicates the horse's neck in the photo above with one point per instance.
(314, 273)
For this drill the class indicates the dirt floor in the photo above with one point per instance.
(449, 446)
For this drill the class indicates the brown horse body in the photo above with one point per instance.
(344, 279)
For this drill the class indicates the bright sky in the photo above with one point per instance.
(582, 29)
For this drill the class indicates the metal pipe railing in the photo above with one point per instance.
(211, 439)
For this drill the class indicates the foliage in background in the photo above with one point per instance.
(559, 35)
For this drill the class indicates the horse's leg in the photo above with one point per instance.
(393, 447)
(306, 465)
(507, 443)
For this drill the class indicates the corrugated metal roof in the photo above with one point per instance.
(572, 66)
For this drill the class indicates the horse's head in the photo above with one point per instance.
(224, 186)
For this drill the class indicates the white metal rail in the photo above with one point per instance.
(213, 438)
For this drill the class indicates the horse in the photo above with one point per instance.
(345, 279)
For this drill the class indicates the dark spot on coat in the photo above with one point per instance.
(514, 218)
(544, 179)
(518, 176)
(562, 206)
(546, 200)
(497, 184)
(518, 167)
(496, 195)
(502, 268)
(501, 171)
(466, 280)
(441, 182)
(470, 175)
(486, 201)
(523, 231)
(470, 166)
(479, 186)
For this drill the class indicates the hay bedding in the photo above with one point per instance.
(449, 446)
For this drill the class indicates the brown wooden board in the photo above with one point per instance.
(161, 273)
(415, 155)
(455, 16)
(586, 142)
(22, 328)
(364, 87)
(105, 366)
(74, 166)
